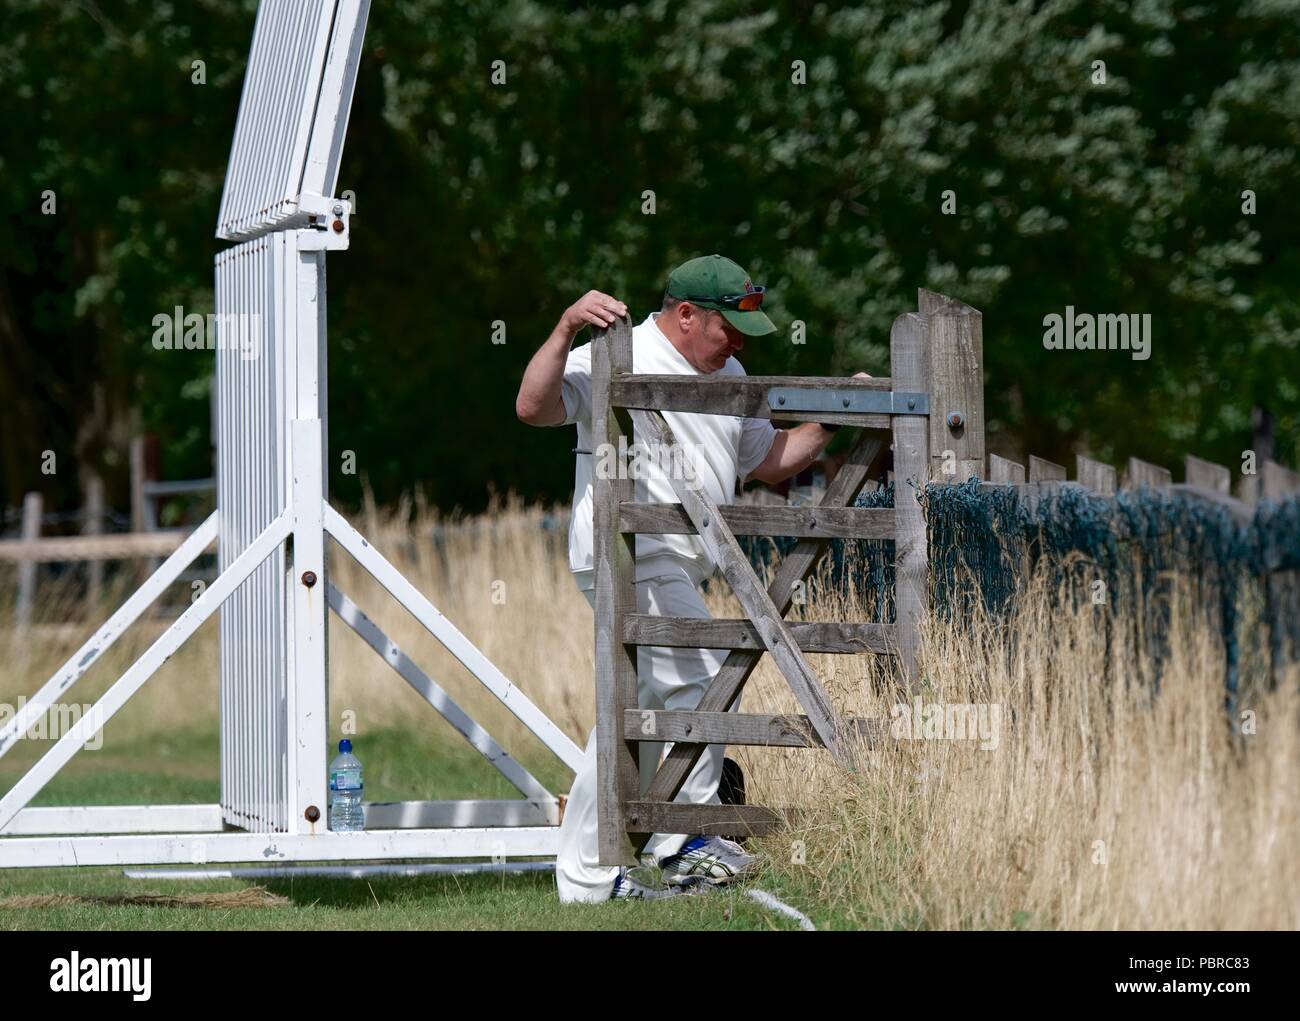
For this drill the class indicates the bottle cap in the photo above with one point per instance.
(345, 745)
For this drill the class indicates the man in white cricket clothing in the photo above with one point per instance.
(710, 309)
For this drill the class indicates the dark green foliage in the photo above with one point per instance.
(479, 202)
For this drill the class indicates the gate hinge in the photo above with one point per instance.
(880, 402)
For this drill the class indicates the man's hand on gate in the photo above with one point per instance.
(592, 309)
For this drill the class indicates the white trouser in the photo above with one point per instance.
(666, 679)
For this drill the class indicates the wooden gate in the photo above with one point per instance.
(932, 409)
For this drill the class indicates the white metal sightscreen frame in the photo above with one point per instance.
(272, 587)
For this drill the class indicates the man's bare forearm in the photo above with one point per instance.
(792, 451)
(541, 392)
(540, 400)
(795, 449)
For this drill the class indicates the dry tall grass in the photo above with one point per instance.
(1102, 806)
(1105, 803)
(500, 577)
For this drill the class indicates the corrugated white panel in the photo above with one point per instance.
(293, 112)
(285, 157)
(325, 152)
(254, 285)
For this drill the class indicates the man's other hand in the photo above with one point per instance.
(592, 309)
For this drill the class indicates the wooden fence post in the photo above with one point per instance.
(138, 470)
(144, 511)
(94, 525)
(1005, 471)
(1277, 481)
(1041, 470)
(1207, 475)
(1143, 474)
(33, 507)
(1096, 475)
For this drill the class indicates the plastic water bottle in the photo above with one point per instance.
(345, 792)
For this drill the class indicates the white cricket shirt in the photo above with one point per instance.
(721, 448)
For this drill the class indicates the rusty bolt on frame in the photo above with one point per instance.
(309, 578)
(312, 814)
(955, 420)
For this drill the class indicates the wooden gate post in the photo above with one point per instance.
(618, 775)
(940, 352)
(909, 368)
(956, 386)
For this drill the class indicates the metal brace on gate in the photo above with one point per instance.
(881, 402)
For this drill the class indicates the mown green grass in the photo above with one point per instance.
(182, 767)
(435, 903)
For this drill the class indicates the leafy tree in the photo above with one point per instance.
(814, 143)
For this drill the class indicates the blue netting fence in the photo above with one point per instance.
(983, 539)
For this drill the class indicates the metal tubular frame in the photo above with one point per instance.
(272, 518)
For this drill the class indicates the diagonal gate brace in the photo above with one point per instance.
(754, 599)
(739, 664)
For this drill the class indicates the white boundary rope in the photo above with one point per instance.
(768, 901)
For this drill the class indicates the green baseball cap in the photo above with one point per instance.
(714, 282)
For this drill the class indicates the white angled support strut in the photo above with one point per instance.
(102, 640)
(456, 643)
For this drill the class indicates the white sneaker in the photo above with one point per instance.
(642, 884)
(714, 859)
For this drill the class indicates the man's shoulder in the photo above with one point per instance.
(646, 328)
